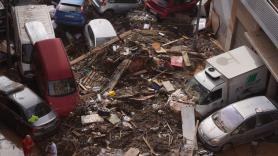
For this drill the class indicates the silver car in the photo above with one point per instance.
(115, 6)
(24, 110)
(238, 123)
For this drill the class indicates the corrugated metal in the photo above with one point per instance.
(265, 15)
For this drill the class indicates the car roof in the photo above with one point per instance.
(26, 98)
(54, 59)
(102, 28)
(247, 107)
(7, 86)
(73, 2)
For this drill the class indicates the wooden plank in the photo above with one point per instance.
(168, 86)
(132, 152)
(117, 74)
(188, 129)
(101, 47)
(186, 59)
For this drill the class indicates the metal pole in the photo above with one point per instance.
(197, 26)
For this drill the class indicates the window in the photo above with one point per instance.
(182, 1)
(274, 4)
(213, 96)
(248, 125)
(15, 108)
(91, 34)
(264, 119)
(61, 87)
(39, 110)
(27, 50)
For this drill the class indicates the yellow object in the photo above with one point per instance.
(112, 93)
(33, 119)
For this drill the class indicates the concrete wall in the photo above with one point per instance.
(223, 11)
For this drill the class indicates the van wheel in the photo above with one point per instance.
(226, 146)
(108, 13)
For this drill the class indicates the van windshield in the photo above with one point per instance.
(194, 88)
(38, 110)
(27, 50)
(61, 87)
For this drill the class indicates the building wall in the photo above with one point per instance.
(223, 10)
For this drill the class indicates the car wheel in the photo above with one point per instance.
(108, 13)
(226, 146)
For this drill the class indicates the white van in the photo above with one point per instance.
(23, 45)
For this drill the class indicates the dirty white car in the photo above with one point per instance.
(98, 31)
(238, 123)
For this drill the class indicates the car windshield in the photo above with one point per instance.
(194, 88)
(27, 50)
(69, 7)
(38, 110)
(61, 87)
(227, 119)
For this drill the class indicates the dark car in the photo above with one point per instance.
(25, 111)
(70, 12)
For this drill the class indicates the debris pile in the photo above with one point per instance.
(127, 86)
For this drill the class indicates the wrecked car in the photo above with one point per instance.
(24, 110)
(163, 8)
(238, 123)
(98, 31)
(108, 7)
(23, 44)
(54, 76)
(70, 12)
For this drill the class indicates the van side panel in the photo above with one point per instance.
(247, 84)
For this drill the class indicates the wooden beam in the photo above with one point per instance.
(100, 48)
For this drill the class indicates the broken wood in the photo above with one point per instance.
(186, 59)
(117, 74)
(150, 147)
(168, 86)
(100, 48)
(132, 152)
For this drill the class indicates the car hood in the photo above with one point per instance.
(45, 119)
(209, 130)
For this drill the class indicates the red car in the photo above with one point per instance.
(163, 8)
(54, 76)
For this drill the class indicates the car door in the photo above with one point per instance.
(244, 133)
(5, 112)
(19, 120)
(265, 125)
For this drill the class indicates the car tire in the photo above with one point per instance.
(226, 146)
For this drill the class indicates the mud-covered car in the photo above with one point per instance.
(24, 111)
